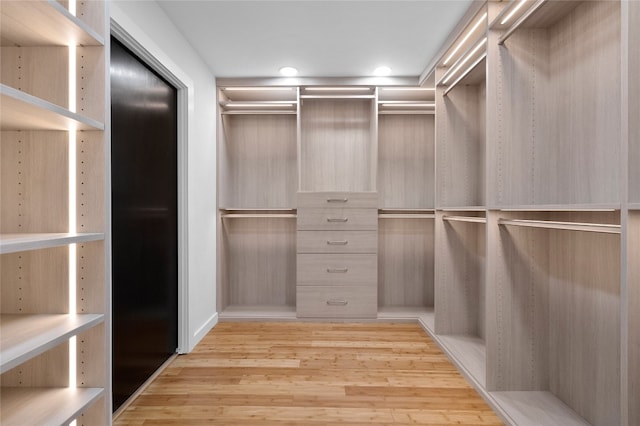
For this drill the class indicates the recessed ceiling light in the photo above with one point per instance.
(382, 71)
(288, 71)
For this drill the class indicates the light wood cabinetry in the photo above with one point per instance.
(54, 309)
(530, 220)
(340, 282)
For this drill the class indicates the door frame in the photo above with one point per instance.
(184, 86)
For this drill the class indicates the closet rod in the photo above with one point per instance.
(258, 112)
(464, 74)
(337, 96)
(569, 226)
(407, 112)
(405, 216)
(520, 21)
(470, 219)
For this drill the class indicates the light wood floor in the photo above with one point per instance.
(311, 374)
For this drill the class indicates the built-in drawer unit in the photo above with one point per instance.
(338, 199)
(337, 260)
(337, 218)
(337, 242)
(338, 269)
(337, 302)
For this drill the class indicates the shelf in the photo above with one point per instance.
(568, 226)
(21, 111)
(258, 313)
(49, 23)
(405, 216)
(400, 313)
(472, 76)
(24, 336)
(559, 208)
(470, 219)
(38, 406)
(12, 243)
(634, 206)
(260, 215)
(533, 408)
(463, 209)
(468, 353)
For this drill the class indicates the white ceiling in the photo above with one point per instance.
(330, 38)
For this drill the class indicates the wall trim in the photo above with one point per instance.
(204, 329)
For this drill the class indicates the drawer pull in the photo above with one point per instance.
(336, 302)
(338, 243)
(337, 200)
(337, 219)
(337, 270)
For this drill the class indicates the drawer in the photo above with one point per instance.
(317, 219)
(338, 269)
(338, 199)
(337, 302)
(337, 242)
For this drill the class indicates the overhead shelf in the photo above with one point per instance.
(21, 111)
(24, 336)
(39, 406)
(39, 23)
(470, 219)
(12, 243)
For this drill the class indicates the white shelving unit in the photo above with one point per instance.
(54, 283)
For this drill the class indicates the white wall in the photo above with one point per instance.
(147, 23)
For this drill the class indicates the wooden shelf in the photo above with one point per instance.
(258, 313)
(260, 215)
(24, 336)
(49, 23)
(470, 219)
(403, 313)
(634, 206)
(533, 408)
(463, 209)
(39, 406)
(568, 226)
(21, 111)
(405, 216)
(559, 208)
(12, 243)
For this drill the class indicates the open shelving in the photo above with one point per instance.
(560, 142)
(257, 185)
(53, 204)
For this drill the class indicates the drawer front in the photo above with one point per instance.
(337, 302)
(338, 199)
(338, 269)
(337, 242)
(337, 219)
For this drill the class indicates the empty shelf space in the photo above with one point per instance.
(471, 219)
(21, 111)
(12, 243)
(634, 206)
(24, 336)
(49, 24)
(568, 226)
(535, 408)
(36, 406)
(258, 313)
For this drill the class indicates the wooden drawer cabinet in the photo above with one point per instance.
(319, 219)
(337, 302)
(337, 260)
(338, 269)
(337, 242)
(338, 199)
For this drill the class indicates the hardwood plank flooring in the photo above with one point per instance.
(311, 374)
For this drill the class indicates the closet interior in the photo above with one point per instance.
(54, 292)
(507, 203)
